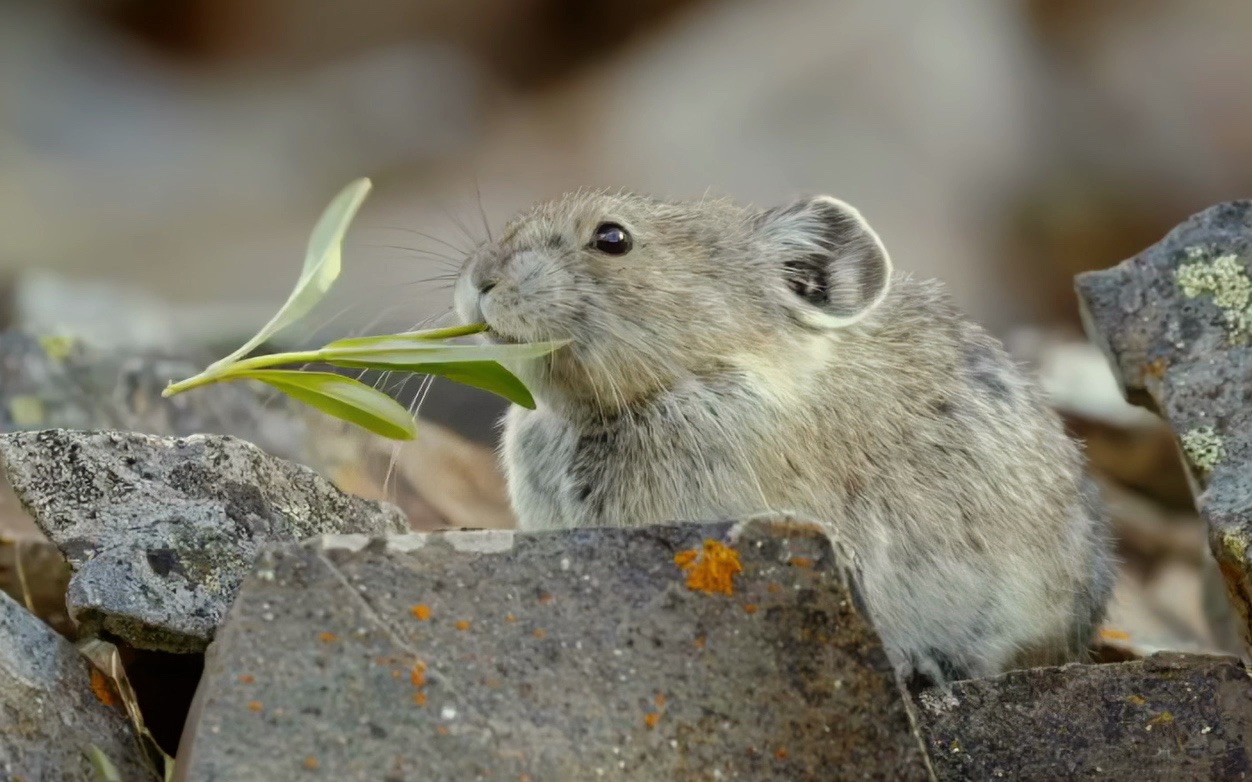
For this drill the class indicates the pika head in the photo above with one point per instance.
(649, 292)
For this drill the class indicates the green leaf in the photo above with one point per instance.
(428, 335)
(342, 397)
(396, 350)
(103, 766)
(487, 375)
(321, 267)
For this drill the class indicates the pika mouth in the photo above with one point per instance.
(502, 339)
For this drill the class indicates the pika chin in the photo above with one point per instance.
(727, 361)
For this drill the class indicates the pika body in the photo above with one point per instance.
(726, 361)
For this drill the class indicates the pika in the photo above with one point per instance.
(726, 361)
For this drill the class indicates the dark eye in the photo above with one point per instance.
(612, 239)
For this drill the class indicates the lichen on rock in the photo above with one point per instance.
(1204, 447)
(1226, 280)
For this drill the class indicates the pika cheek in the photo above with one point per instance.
(466, 300)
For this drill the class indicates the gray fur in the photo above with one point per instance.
(704, 381)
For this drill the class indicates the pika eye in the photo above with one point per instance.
(612, 239)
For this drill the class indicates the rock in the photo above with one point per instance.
(50, 713)
(64, 383)
(574, 655)
(34, 573)
(1168, 717)
(1176, 325)
(160, 531)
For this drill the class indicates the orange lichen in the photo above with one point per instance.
(255, 706)
(1109, 634)
(421, 611)
(701, 641)
(102, 688)
(247, 678)
(651, 719)
(782, 753)
(750, 608)
(547, 598)
(712, 570)
(774, 587)
(418, 674)
(540, 633)
(419, 698)
(660, 700)
(328, 637)
(801, 562)
(684, 559)
(442, 730)
(311, 763)
(463, 625)
(510, 618)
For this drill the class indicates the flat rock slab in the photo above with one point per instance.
(160, 531)
(1176, 324)
(1167, 718)
(582, 655)
(49, 715)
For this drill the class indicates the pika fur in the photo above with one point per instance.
(727, 361)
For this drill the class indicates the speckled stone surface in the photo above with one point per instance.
(160, 531)
(555, 656)
(1166, 718)
(56, 383)
(49, 715)
(1176, 324)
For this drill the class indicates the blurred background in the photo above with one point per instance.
(162, 161)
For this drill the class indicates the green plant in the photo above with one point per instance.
(429, 352)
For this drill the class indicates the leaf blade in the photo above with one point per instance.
(322, 263)
(396, 350)
(489, 376)
(342, 397)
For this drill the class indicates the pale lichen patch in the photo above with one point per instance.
(1223, 278)
(1204, 447)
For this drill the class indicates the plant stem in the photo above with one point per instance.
(256, 362)
(448, 333)
(217, 372)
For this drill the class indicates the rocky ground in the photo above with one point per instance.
(227, 586)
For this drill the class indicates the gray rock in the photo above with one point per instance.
(578, 655)
(49, 715)
(62, 383)
(160, 531)
(1169, 717)
(1176, 324)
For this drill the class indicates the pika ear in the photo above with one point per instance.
(834, 265)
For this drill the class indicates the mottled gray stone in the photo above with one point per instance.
(59, 383)
(1166, 718)
(49, 715)
(159, 531)
(1176, 324)
(555, 656)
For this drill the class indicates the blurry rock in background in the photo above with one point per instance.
(1144, 108)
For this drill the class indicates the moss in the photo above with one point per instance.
(1225, 279)
(1204, 447)
(1235, 547)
